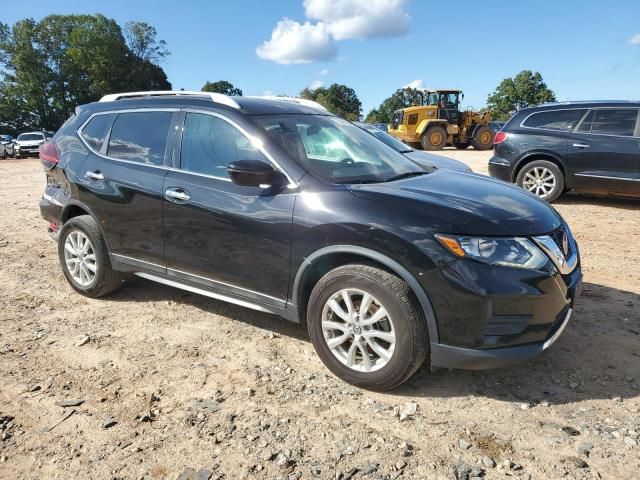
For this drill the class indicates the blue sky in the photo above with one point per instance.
(584, 49)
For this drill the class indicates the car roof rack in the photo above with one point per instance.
(301, 101)
(215, 97)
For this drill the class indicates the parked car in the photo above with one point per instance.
(6, 146)
(28, 144)
(282, 207)
(583, 146)
(496, 126)
(422, 158)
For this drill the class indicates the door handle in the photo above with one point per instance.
(178, 194)
(95, 175)
(581, 145)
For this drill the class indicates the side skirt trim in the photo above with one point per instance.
(206, 293)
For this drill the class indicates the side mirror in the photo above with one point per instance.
(254, 173)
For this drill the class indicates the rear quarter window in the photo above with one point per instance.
(561, 120)
(95, 130)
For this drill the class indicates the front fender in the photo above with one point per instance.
(422, 126)
(402, 272)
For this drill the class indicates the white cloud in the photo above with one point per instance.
(414, 84)
(292, 42)
(347, 19)
(324, 71)
(635, 40)
(315, 85)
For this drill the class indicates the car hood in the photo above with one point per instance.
(466, 203)
(430, 160)
(29, 143)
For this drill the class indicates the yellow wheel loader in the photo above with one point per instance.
(438, 122)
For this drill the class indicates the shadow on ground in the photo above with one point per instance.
(597, 357)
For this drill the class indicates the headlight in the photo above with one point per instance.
(511, 252)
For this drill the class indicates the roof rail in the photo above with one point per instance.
(215, 97)
(301, 101)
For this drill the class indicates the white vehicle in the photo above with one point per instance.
(29, 143)
(6, 146)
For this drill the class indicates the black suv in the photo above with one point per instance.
(583, 146)
(279, 206)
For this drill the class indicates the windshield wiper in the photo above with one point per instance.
(405, 175)
(408, 150)
(360, 180)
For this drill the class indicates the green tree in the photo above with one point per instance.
(143, 42)
(401, 98)
(222, 86)
(338, 99)
(374, 117)
(48, 68)
(526, 89)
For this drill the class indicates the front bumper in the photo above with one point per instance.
(446, 356)
(490, 316)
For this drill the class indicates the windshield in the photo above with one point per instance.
(388, 140)
(27, 137)
(335, 149)
(5, 138)
(441, 100)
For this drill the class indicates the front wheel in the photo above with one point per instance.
(434, 138)
(542, 178)
(367, 327)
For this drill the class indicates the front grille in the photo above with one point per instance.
(557, 236)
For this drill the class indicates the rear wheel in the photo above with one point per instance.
(483, 138)
(367, 327)
(85, 260)
(542, 178)
(434, 138)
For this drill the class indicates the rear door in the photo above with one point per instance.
(604, 151)
(218, 234)
(122, 181)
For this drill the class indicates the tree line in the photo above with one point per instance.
(49, 67)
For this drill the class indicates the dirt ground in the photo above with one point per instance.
(172, 382)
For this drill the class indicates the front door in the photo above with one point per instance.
(227, 237)
(604, 152)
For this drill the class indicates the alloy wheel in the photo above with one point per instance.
(358, 330)
(80, 258)
(539, 180)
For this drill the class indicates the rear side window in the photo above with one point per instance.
(140, 137)
(615, 122)
(95, 131)
(563, 120)
(209, 144)
(585, 126)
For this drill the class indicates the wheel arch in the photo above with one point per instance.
(75, 208)
(427, 122)
(532, 157)
(322, 261)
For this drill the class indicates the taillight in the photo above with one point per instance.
(500, 137)
(49, 155)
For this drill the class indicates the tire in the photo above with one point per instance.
(434, 138)
(461, 146)
(483, 138)
(404, 322)
(105, 279)
(541, 169)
